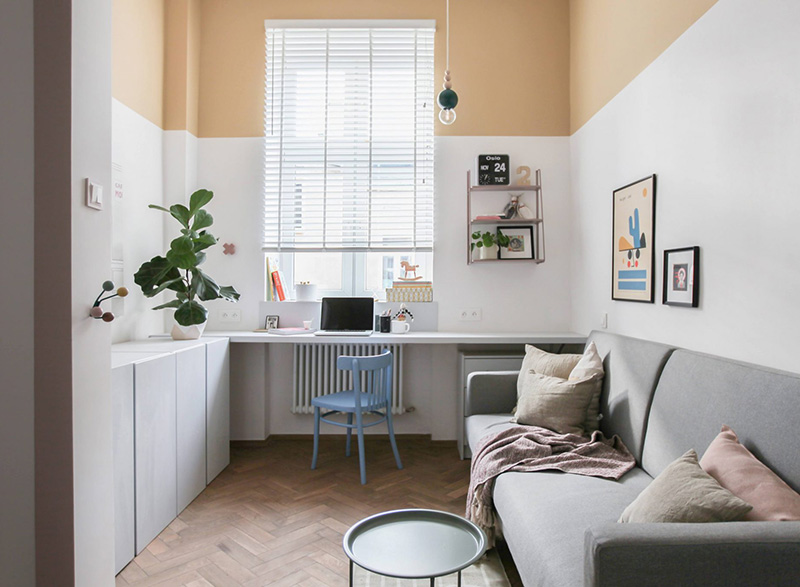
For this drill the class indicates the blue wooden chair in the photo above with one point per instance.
(375, 375)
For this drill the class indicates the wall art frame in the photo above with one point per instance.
(682, 277)
(633, 258)
(520, 244)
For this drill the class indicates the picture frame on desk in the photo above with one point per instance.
(520, 243)
(271, 322)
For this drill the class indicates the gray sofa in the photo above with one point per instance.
(562, 529)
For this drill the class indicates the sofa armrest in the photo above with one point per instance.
(717, 554)
(491, 392)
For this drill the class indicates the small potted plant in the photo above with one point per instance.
(485, 244)
(179, 270)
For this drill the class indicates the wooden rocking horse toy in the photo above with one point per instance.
(408, 268)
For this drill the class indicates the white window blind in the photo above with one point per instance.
(348, 160)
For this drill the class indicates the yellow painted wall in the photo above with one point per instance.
(509, 60)
(138, 56)
(181, 65)
(612, 41)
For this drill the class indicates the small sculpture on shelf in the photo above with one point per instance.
(408, 269)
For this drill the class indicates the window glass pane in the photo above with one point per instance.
(323, 269)
(380, 269)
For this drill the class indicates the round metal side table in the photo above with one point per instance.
(414, 544)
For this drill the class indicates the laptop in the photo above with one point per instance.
(346, 317)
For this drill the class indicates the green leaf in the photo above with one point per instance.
(154, 207)
(202, 219)
(170, 304)
(199, 199)
(182, 295)
(181, 253)
(199, 259)
(488, 241)
(227, 292)
(181, 214)
(204, 241)
(155, 275)
(205, 287)
(189, 313)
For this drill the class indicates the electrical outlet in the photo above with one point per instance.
(470, 315)
(230, 315)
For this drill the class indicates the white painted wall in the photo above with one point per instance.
(514, 296)
(717, 117)
(17, 563)
(137, 149)
(91, 252)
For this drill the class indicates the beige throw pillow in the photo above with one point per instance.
(545, 363)
(590, 366)
(683, 492)
(554, 403)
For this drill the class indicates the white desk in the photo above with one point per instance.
(459, 338)
(262, 380)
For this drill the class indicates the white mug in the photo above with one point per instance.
(400, 327)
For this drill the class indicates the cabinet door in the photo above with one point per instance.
(218, 407)
(191, 406)
(155, 440)
(122, 443)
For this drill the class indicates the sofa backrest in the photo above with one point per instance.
(632, 368)
(698, 393)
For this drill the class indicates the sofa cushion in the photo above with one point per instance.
(738, 471)
(632, 368)
(549, 364)
(544, 517)
(554, 403)
(684, 492)
(480, 424)
(698, 393)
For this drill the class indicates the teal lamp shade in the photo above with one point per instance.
(447, 99)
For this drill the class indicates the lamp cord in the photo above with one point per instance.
(447, 59)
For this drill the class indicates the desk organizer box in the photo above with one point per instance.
(409, 294)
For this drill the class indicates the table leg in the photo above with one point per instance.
(459, 578)
(351, 573)
(432, 580)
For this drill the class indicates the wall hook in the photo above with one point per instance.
(97, 312)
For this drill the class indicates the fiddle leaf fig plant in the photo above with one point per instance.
(179, 270)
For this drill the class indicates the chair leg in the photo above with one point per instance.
(349, 432)
(391, 436)
(361, 457)
(316, 438)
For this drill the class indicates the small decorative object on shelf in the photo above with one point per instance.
(97, 312)
(271, 322)
(483, 199)
(682, 277)
(493, 170)
(408, 269)
(403, 314)
(525, 175)
(410, 290)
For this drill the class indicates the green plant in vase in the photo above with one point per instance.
(179, 270)
(487, 241)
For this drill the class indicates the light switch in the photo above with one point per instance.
(94, 195)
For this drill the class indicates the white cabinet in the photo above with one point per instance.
(171, 411)
(191, 423)
(155, 438)
(122, 443)
(218, 407)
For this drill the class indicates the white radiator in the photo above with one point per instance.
(315, 372)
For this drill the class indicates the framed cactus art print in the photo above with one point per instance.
(633, 261)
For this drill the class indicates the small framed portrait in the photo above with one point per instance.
(520, 242)
(682, 277)
(271, 322)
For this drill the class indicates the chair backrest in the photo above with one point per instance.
(371, 375)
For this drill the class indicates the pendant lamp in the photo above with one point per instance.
(447, 98)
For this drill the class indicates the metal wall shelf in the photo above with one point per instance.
(537, 222)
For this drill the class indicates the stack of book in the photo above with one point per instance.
(410, 291)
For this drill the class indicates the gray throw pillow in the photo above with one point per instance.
(683, 492)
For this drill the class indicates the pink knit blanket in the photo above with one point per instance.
(530, 448)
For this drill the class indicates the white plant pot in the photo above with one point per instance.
(192, 332)
(484, 253)
(306, 292)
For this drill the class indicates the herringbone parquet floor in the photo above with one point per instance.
(270, 520)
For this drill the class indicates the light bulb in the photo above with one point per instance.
(447, 116)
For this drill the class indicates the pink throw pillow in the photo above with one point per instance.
(741, 473)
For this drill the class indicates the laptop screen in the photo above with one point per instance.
(347, 314)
